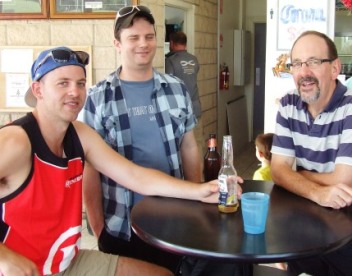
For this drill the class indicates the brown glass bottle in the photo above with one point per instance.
(212, 160)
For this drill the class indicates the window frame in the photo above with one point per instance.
(85, 15)
(43, 14)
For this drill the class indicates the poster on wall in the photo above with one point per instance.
(15, 65)
(16, 88)
(295, 17)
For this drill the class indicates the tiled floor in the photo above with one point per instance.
(245, 163)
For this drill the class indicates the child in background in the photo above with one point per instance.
(263, 144)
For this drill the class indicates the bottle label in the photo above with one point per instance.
(228, 190)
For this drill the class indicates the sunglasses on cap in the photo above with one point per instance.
(62, 56)
(128, 10)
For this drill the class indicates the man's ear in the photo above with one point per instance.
(36, 89)
(336, 68)
(171, 46)
(117, 45)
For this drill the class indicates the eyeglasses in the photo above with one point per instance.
(62, 56)
(310, 63)
(128, 10)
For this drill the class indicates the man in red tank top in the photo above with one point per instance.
(41, 168)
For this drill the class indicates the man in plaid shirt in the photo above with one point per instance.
(145, 116)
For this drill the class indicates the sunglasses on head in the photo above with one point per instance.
(128, 10)
(62, 56)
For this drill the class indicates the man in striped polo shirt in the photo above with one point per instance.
(313, 130)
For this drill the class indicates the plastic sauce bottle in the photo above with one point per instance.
(227, 179)
(212, 160)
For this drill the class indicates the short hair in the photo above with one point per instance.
(264, 142)
(332, 51)
(178, 38)
(118, 27)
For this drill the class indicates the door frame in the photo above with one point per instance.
(249, 88)
(188, 25)
(257, 90)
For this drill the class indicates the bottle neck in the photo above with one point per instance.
(227, 153)
(212, 144)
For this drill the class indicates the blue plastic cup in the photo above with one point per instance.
(254, 207)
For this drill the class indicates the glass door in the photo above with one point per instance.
(343, 43)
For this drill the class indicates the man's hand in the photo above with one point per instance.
(210, 191)
(335, 196)
(13, 264)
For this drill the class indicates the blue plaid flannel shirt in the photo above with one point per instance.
(105, 111)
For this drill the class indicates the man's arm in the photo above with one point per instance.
(15, 161)
(13, 264)
(334, 196)
(93, 199)
(341, 174)
(191, 162)
(139, 179)
(15, 164)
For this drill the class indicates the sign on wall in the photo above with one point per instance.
(295, 17)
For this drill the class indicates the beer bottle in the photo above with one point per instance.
(212, 160)
(227, 179)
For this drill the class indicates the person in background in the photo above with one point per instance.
(263, 144)
(41, 169)
(313, 131)
(182, 64)
(147, 117)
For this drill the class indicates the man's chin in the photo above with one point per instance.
(309, 99)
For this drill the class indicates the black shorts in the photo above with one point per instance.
(337, 263)
(136, 248)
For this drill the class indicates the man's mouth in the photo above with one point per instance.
(142, 53)
(307, 82)
(72, 104)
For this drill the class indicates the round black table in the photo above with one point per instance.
(296, 228)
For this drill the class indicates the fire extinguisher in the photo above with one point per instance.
(224, 77)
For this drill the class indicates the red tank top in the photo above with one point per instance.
(42, 219)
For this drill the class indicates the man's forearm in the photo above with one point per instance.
(193, 172)
(293, 181)
(341, 174)
(319, 178)
(192, 166)
(191, 161)
(93, 199)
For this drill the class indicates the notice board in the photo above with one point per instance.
(15, 78)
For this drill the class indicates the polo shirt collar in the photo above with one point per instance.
(336, 98)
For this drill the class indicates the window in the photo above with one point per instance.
(21, 9)
(86, 8)
(74, 9)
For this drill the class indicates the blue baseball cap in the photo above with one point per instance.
(50, 60)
